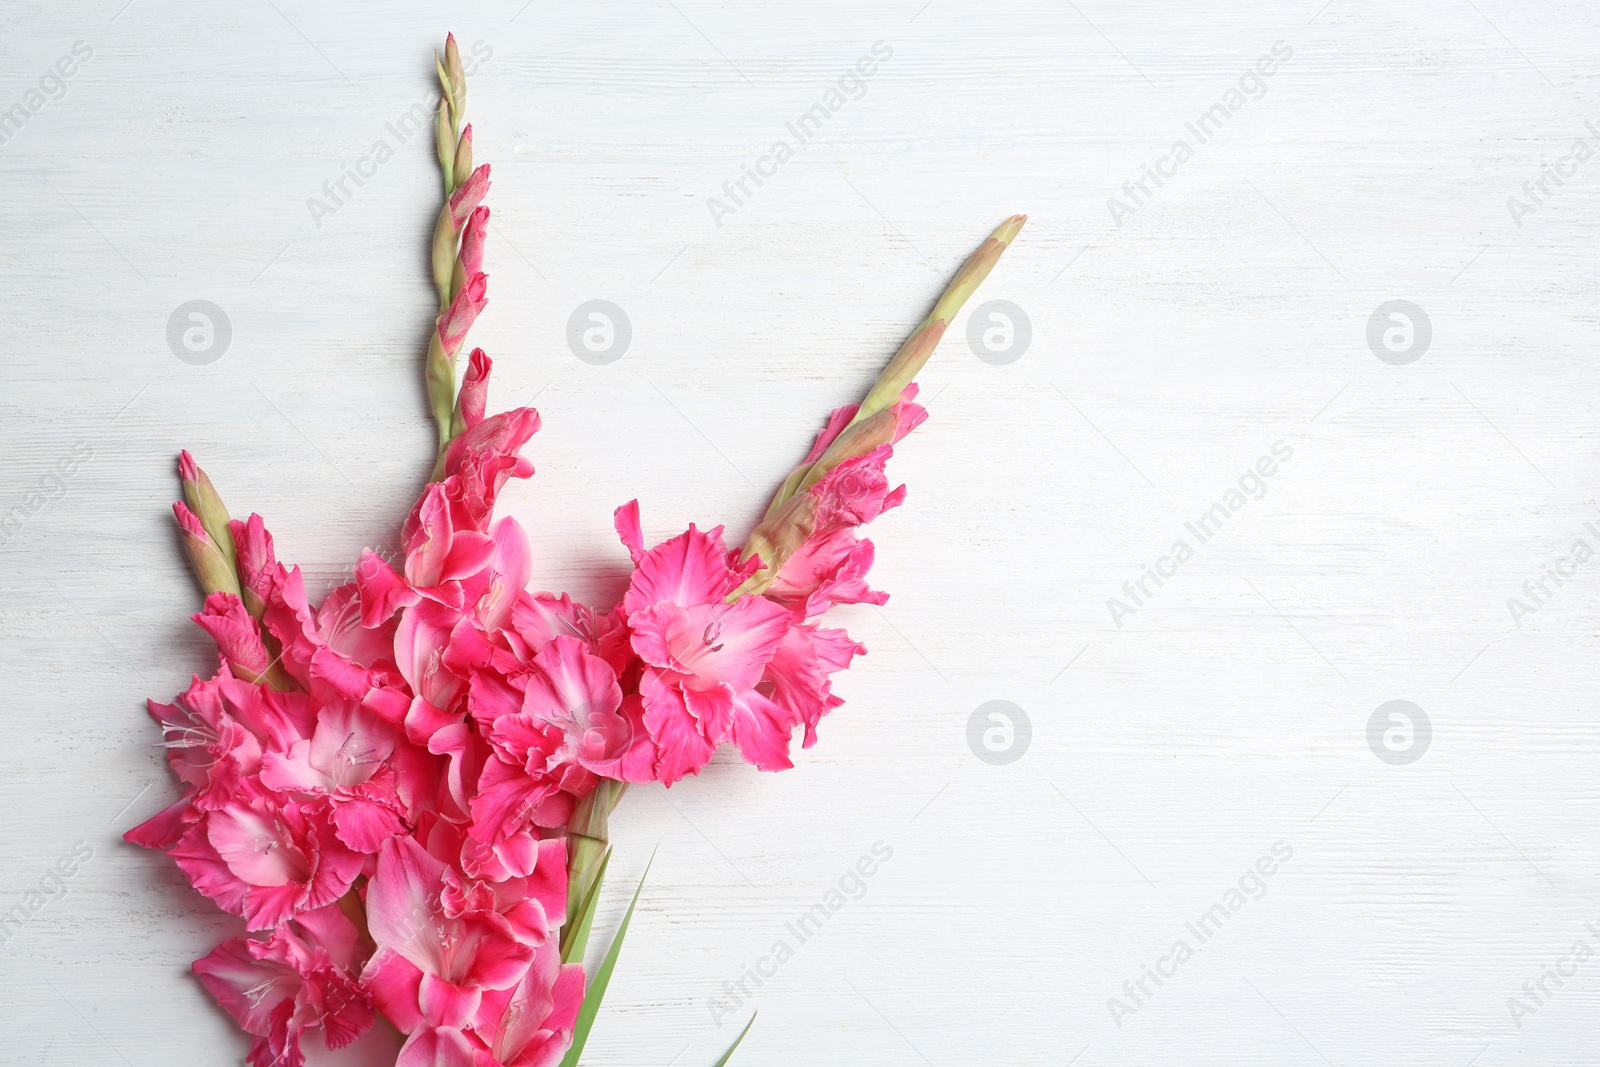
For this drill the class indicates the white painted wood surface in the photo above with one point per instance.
(1226, 314)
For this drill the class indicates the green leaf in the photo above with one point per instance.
(728, 1055)
(579, 941)
(602, 977)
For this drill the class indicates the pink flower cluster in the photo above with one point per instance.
(379, 786)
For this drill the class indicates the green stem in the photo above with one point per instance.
(588, 837)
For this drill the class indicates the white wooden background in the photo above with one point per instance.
(1228, 313)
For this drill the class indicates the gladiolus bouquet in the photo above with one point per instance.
(404, 790)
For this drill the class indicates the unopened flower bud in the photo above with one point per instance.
(457, 77)
(913, 355)
(469, 194)
(470, 260)
(216, 574)
(443, 255)
(204, 502)
(474, 395)
(775, 539)
(445, 144)
(463, 311)
(463, 162)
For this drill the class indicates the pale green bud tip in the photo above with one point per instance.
(456, 86)
(914, 354)
(452, 63)
(440, 375)
(463, 163)
(446, 145)
(977, 268)
(443, 255)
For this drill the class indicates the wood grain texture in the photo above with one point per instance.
(1228, 313)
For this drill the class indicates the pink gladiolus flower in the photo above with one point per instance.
(215, 734)
(576, 691)
(235, 633)
(266, 858)
(257, 563)
(299, 979)
(431, 968)
(704, 655)
(438, 552)
(828, 569)
(345, 761)
(530, 1024)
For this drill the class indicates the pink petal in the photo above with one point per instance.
(682, 749)
(505, 799)
(445, 1003)
(688, 569)
(441, 1047)
(474, 394)
(365, 825)
(163, 829)
(626, 521)
(394, 982)
(762, 730)
(256, 846)
(619, 745)
(234, 631)
(472, 237)
(797, 674)
(419, 644)
(382, 590)
(207, 872)
(402, 902)
(510, 567)
(469, 194)
(248, 989)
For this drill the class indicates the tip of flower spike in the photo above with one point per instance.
(187, 468)
(1008, 230)
(977, 268)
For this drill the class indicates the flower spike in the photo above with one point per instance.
(884, 416)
